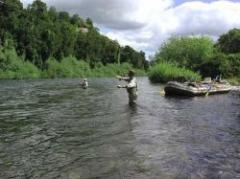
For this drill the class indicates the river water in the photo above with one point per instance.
(55, 129)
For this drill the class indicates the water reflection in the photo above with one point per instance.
(55, 129)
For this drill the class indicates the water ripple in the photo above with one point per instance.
(55, 129)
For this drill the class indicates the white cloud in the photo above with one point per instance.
(211, 19)
(145, 24)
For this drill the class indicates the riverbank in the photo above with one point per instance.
(164, 72)
(13, 66)
(234, 81)
(71, 67)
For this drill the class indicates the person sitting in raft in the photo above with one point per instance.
(218, 78)
(84, 83)
(131, 86)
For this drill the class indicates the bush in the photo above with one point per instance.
(68, 67)
(230, 42)
(226, 65)
(234, 60)
(187, 52)
(164, 72)
(215, 65)
(71, 67)
(15, 67)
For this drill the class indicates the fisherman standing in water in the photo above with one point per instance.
(84, 84)
(131, 86)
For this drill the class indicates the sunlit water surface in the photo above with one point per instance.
(55, 129)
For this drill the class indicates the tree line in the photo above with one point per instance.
(203, 55)
(38, 33)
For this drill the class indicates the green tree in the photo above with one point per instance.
(215, 65)
(230, 42)
(10, 12)
(234, 60)
(189, 52)
(39, 33)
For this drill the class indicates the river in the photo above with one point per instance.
(55, 129)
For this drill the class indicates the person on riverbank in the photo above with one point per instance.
(84, 83)
(131, 87)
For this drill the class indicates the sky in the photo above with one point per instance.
(146, 24)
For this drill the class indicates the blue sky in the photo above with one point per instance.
(146, 24)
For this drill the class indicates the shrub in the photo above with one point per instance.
(71, 67)
(226, 65)
(234, 60)
(164, 72)
(13, 66)
(187, 52)
(68, 67)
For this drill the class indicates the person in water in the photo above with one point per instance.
(131, 87)
(84, 84)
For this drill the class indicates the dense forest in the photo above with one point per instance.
(201, 55)
(37, 38)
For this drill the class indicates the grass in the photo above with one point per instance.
(71, 67)
(164, 72)
(13, 66)
(234, 81)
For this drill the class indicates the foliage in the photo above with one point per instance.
(228, 65)
(68, 67)
(40, 33)
(187, 52)
(230, 42)
(71, 67)
(234, 60)
(129, 55)
(13, 66)
(215, 65)
(201, 55)
(164, 72)
(234, 81)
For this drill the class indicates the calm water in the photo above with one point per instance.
(55, 129)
